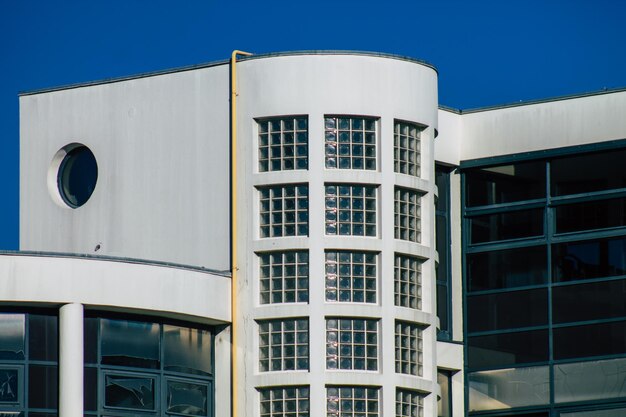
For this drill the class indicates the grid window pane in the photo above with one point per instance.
(351, 276)
(409, 348)
(350, 210)
(406, 148)
(284, 402)
(407, 215)
(284, 277)
(409, 403)
(352, 402)
(284, 345)
(350, 142)
(408, 281)
(283, 144)
(284, 210)
(352, 344)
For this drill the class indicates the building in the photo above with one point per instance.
(360, 251)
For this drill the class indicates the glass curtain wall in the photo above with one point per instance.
(545, 285)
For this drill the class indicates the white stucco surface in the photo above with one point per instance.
(99, 284)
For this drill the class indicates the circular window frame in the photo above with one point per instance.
(59, 160)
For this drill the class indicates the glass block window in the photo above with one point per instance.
(408, 348)
(351, 210)
(406, 148)
(284, 345)
(350, 142)
(352, 344)
(408, 281)
(284, 277)
(284, 210)
(283, 144)
(407, 214)
(409, 403)
(284, 402)
(352, 402)
(351, 276)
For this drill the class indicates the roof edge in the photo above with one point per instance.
(225, 62)
(537, 101)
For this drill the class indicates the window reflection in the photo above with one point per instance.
(130, 343)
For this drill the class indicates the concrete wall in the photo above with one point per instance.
(162, 148)
(552, 124)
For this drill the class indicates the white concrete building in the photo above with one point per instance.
(316, 268)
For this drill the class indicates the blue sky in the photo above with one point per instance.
(487, 52)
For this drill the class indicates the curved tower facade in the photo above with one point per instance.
(337, 260)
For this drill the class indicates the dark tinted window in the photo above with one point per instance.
(507, 310)
(591, 215)
(42, 386)
(90, 333)
(590, 340)
(508, 349)
(442, 306)
(593, 301)
(503, 226)
(587, 173)
(187, 350)
(507, 268)
(589, 259)
(43, 338)
(90, 390)
(506, 183)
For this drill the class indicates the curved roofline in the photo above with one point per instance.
(147, 262)
(225, 62)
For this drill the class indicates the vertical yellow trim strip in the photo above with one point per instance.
(233, 230)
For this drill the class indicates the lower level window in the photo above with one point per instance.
(409, 403)
(28, 364)
(284, 402)
(154, 368)
(352, 402)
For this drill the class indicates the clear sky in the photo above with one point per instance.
(487, 52)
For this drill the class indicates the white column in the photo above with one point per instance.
(71, 360)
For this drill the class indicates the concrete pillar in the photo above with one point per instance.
(71, 360)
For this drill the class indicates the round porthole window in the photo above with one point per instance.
(77, 174)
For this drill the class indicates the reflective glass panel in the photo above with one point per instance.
(506, 183)
(187, 350)
(588, 172)
(90, 333)
(504, 226)
(507, 268)
(90, 390)
(129, 343)
(591, 215)
(187, 398)
(43, 340)
(507, 310)
(126, 391)
(586, 381)
(9, 386)
(43, 388)
(508, 388)
(589, 259)
(614, 412)
(590, 340)
(12, 336)
(508, 349)
(592, 301)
